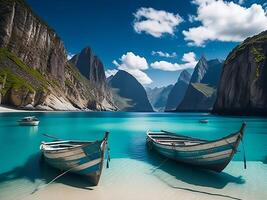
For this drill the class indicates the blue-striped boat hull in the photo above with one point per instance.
(213, 155)
(79, 157)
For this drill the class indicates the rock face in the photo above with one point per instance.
(90, 66)
(34, 71)
(132, 92)
(243, 83)
(158, 97)
(25, 35)
(201, 92)
(177, 93)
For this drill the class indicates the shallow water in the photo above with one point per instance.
(21, 167)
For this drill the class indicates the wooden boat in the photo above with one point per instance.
(80, 157)
(29, 121)
(214, 155)
(203, 121)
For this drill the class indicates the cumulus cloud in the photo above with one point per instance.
(225, 21)
(135, 65)
(189, 60)
(110, 72)
(155, 22)
(70, 55)
(164, 54)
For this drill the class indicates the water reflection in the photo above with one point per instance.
(36, 169)
(33, 130)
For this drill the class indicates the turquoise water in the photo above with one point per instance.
(19, 146)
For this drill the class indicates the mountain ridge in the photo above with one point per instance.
(134, 94)
(177, 93)
(201, 92)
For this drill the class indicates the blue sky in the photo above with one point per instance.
(137, 35)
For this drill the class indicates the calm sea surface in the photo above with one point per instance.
(19, 146)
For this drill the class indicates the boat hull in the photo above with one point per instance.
(212, 155)
(86, 160)
(33, 123)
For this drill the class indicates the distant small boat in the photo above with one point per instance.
(29, 121)
(213, 155)
(80, 157)
(203, 121)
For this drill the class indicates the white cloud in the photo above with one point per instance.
(70, 55)
(110, 72)
(164, 54)
(134, 65)
(188, 58)
(155, 22)
(225, 21)
(191, 18)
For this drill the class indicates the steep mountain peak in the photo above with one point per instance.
(90, 66)
(184, 76)
(203, 58)
(213, 62)
(87, 51)
(177, 92)
(201, 92)
(200, 70)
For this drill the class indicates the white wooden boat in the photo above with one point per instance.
(29, 121)
(203, 121)
(80, 157)
(214, 155)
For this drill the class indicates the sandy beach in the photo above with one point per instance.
(143, 181)
(4, 109)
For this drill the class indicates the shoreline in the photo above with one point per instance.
(6, 109)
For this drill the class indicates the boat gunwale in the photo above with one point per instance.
(207, 141)
(86, 143)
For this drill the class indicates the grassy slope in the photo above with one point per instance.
(204, 89)
(13, 80)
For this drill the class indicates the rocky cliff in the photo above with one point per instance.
(34, 72)
(158, 97)
(201, 92)
(177, 93)
(132, 93)
(243, 83)
(30, 39)
(90, 66)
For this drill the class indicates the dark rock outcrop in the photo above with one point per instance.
(133, 93)
(90, 66)
(177, 93)
(243, 84)
(201, 92)
(158, 97)
(34, 71)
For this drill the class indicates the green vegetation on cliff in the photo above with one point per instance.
(258, 54)
(15, 76)
(14, 81)
(258, 39)
(4, 53)
(259, 58)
